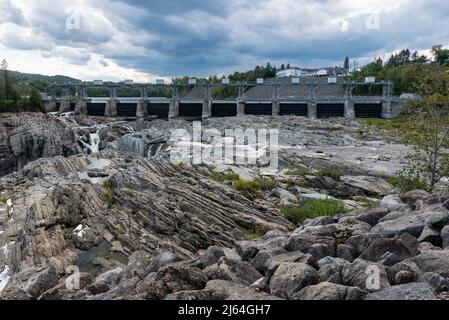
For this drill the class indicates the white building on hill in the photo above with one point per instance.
(300, 72)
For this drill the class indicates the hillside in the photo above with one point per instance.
(40, 82)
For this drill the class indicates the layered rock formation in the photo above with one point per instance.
(100, 196)
(325, 259)
(27, 137)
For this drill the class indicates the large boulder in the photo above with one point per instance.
(249, 249)
(172, 278)
(430, 235)
(233, 270)
(106, 281)
(357, 274)
(371, 216)
(370, 186)
(273, 263)
(444, 234)
(137, 264)
(330, 269)
(163, 259)
(260, 260)
(410, 291)
(211, 256)
(360, 243)
(33, 281)
(436, 261)
(330, 291)
(191, 295)
(412, 196)
(405, 269)
(412, 223)
(303, 243)
(395, 246)
(291, 277)
(437, 282)
(391, 203)
(222, 290)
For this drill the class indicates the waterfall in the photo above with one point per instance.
(94, 146)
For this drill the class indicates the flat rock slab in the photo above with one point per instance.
(410, 291)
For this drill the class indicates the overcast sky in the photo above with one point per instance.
(144, 40)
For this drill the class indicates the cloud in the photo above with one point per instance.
(10, 13)
(200, 37)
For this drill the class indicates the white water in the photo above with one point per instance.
(94, 145)
(4, 278)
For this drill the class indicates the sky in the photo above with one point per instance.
(146, 40)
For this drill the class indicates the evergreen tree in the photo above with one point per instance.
(346, 64)
(441, 55)
(6, 82)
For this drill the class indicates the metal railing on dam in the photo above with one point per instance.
(283, 96)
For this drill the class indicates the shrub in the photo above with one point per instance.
(313, 209)
(255, 233)
(110, 192)
(248, 187)
(290, 183)
(331, 173)
(267, 184)
(254, 187)
(404, 183)
(301, 171)
(222, 177)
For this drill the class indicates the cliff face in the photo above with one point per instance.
(27, 137)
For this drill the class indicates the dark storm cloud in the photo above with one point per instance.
(199, 37)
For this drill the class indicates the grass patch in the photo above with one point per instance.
(331, 173)
(313, 209)
(255, 233)
(254, 187)
(367, 202)
(290, 183)
(110, 192)
(301, 171)
(222, 177)
(3, 200)
(267, 184)
(403, 126)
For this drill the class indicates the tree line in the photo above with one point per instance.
(13, 97)
(405, 68)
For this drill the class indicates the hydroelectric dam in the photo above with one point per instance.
(313, 98)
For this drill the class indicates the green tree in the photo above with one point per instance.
(441, 55)
(430, 162)
(35, 100)
(346, 64)
(6, 81)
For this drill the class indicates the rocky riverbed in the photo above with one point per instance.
(101, 195)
